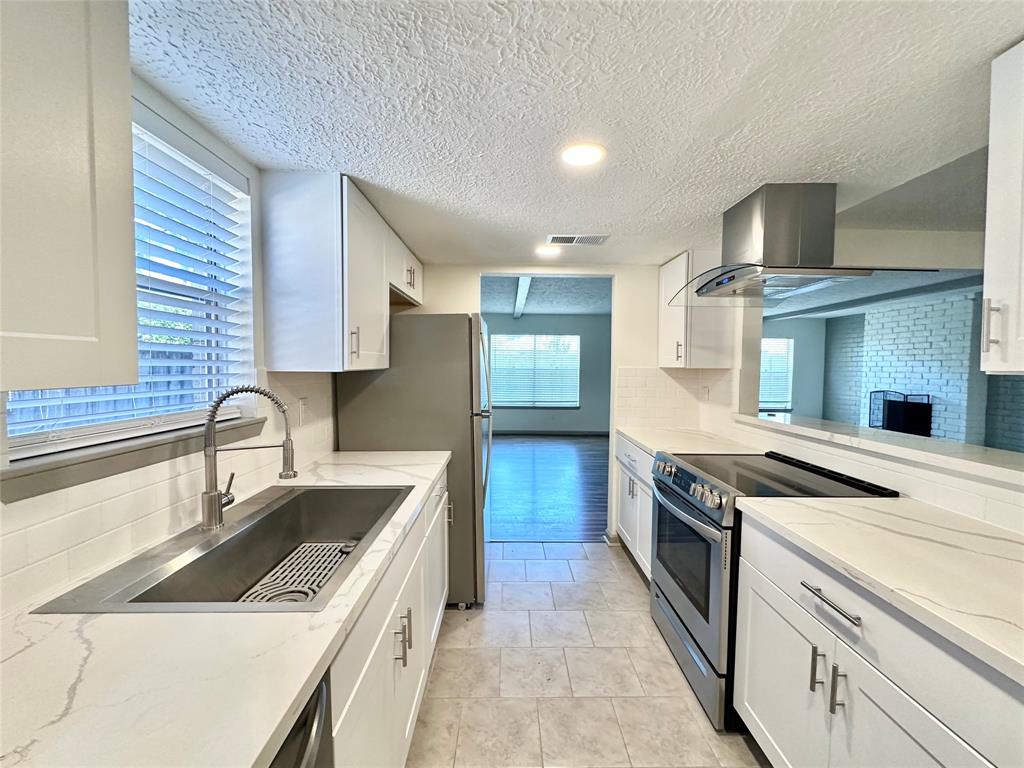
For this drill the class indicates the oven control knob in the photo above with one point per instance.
(693, 489)
(716, 500)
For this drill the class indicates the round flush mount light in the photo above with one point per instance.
(583, 154)
(547, 251)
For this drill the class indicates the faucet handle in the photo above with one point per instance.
(227, 497)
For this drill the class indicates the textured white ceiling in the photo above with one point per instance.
(451, 114)
(547, 295)
(949, 198)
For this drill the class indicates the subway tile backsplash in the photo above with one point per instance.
(49, 542)
(665, 398)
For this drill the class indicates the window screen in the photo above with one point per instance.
(776, 375)
(530, 371)
(192, 268)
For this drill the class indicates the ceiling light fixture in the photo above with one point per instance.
(547, 251)
(583, 154)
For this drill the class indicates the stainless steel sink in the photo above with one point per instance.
(288, 548)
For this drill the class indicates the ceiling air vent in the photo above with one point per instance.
(577, 239)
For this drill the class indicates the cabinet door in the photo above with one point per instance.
(1002, 325)
(710, 322)
(410, 673)
(878, 724)
(67, 301)
(367, 736)
(435, 588)
(776, 646)
(644, 527)
(672, 319)
(626, 510)
(365, 280)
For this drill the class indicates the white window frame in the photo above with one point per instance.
(791, 345)
(149, 119)
(497, 403)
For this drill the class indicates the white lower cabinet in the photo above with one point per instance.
(811, 700)
(634, 501)
(627, 522)
(775, 640)
(380, 673)
(878, 724)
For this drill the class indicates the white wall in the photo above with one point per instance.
(50, 542)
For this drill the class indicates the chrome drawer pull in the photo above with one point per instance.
(855, 620)
(408, 634)
(833, 701)
(815, 682)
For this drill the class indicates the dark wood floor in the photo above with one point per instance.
(548, 488)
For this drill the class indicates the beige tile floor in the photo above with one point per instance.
(563, 667)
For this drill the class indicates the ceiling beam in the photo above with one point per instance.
(522, 290)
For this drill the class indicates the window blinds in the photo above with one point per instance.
(776, 392)
(535, 371)
(192, 267)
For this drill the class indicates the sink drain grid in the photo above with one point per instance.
(302, 574)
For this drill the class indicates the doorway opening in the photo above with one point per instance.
(549, 348)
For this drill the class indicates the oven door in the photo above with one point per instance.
(690, 567)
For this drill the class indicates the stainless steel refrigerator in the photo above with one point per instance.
(434, 396)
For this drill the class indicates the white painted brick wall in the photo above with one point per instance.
(926, 347)
(49, 542)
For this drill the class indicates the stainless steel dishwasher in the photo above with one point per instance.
(309, 744)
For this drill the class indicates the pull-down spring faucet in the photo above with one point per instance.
(214, 500)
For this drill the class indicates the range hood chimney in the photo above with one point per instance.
(779, 241)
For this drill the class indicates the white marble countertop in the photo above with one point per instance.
(681, 441)
(212, 689)
(962, 577)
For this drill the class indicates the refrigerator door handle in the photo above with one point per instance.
(487, 412)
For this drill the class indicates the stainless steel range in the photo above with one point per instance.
(696, 551)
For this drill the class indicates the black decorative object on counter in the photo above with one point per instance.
(899, 412)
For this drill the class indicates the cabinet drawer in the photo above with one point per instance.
(351, 660)
(634, 458)
(956, 688)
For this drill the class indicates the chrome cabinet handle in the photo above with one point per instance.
(413, 269)
(355, 342)
(986, 324)
(408, 627)
(679, 350)
(815, 682)
(855, 620)
(451, 513)
(833, 700)
(403, 635)
(408, 276)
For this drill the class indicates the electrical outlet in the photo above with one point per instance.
(705, 393)
(303, 407)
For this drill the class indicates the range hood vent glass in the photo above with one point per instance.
(779, 241)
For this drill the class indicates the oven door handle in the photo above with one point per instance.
(705, 530)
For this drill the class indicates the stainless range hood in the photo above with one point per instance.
(777, 242)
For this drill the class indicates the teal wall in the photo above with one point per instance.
(595, 332)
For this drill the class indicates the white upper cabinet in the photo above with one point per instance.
(405, 272)
(1002, 323)
(67, 309)
(699, 332)
(325, 274)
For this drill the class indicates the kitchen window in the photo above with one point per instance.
(776, 393)
(533, 371)
(193, 278)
